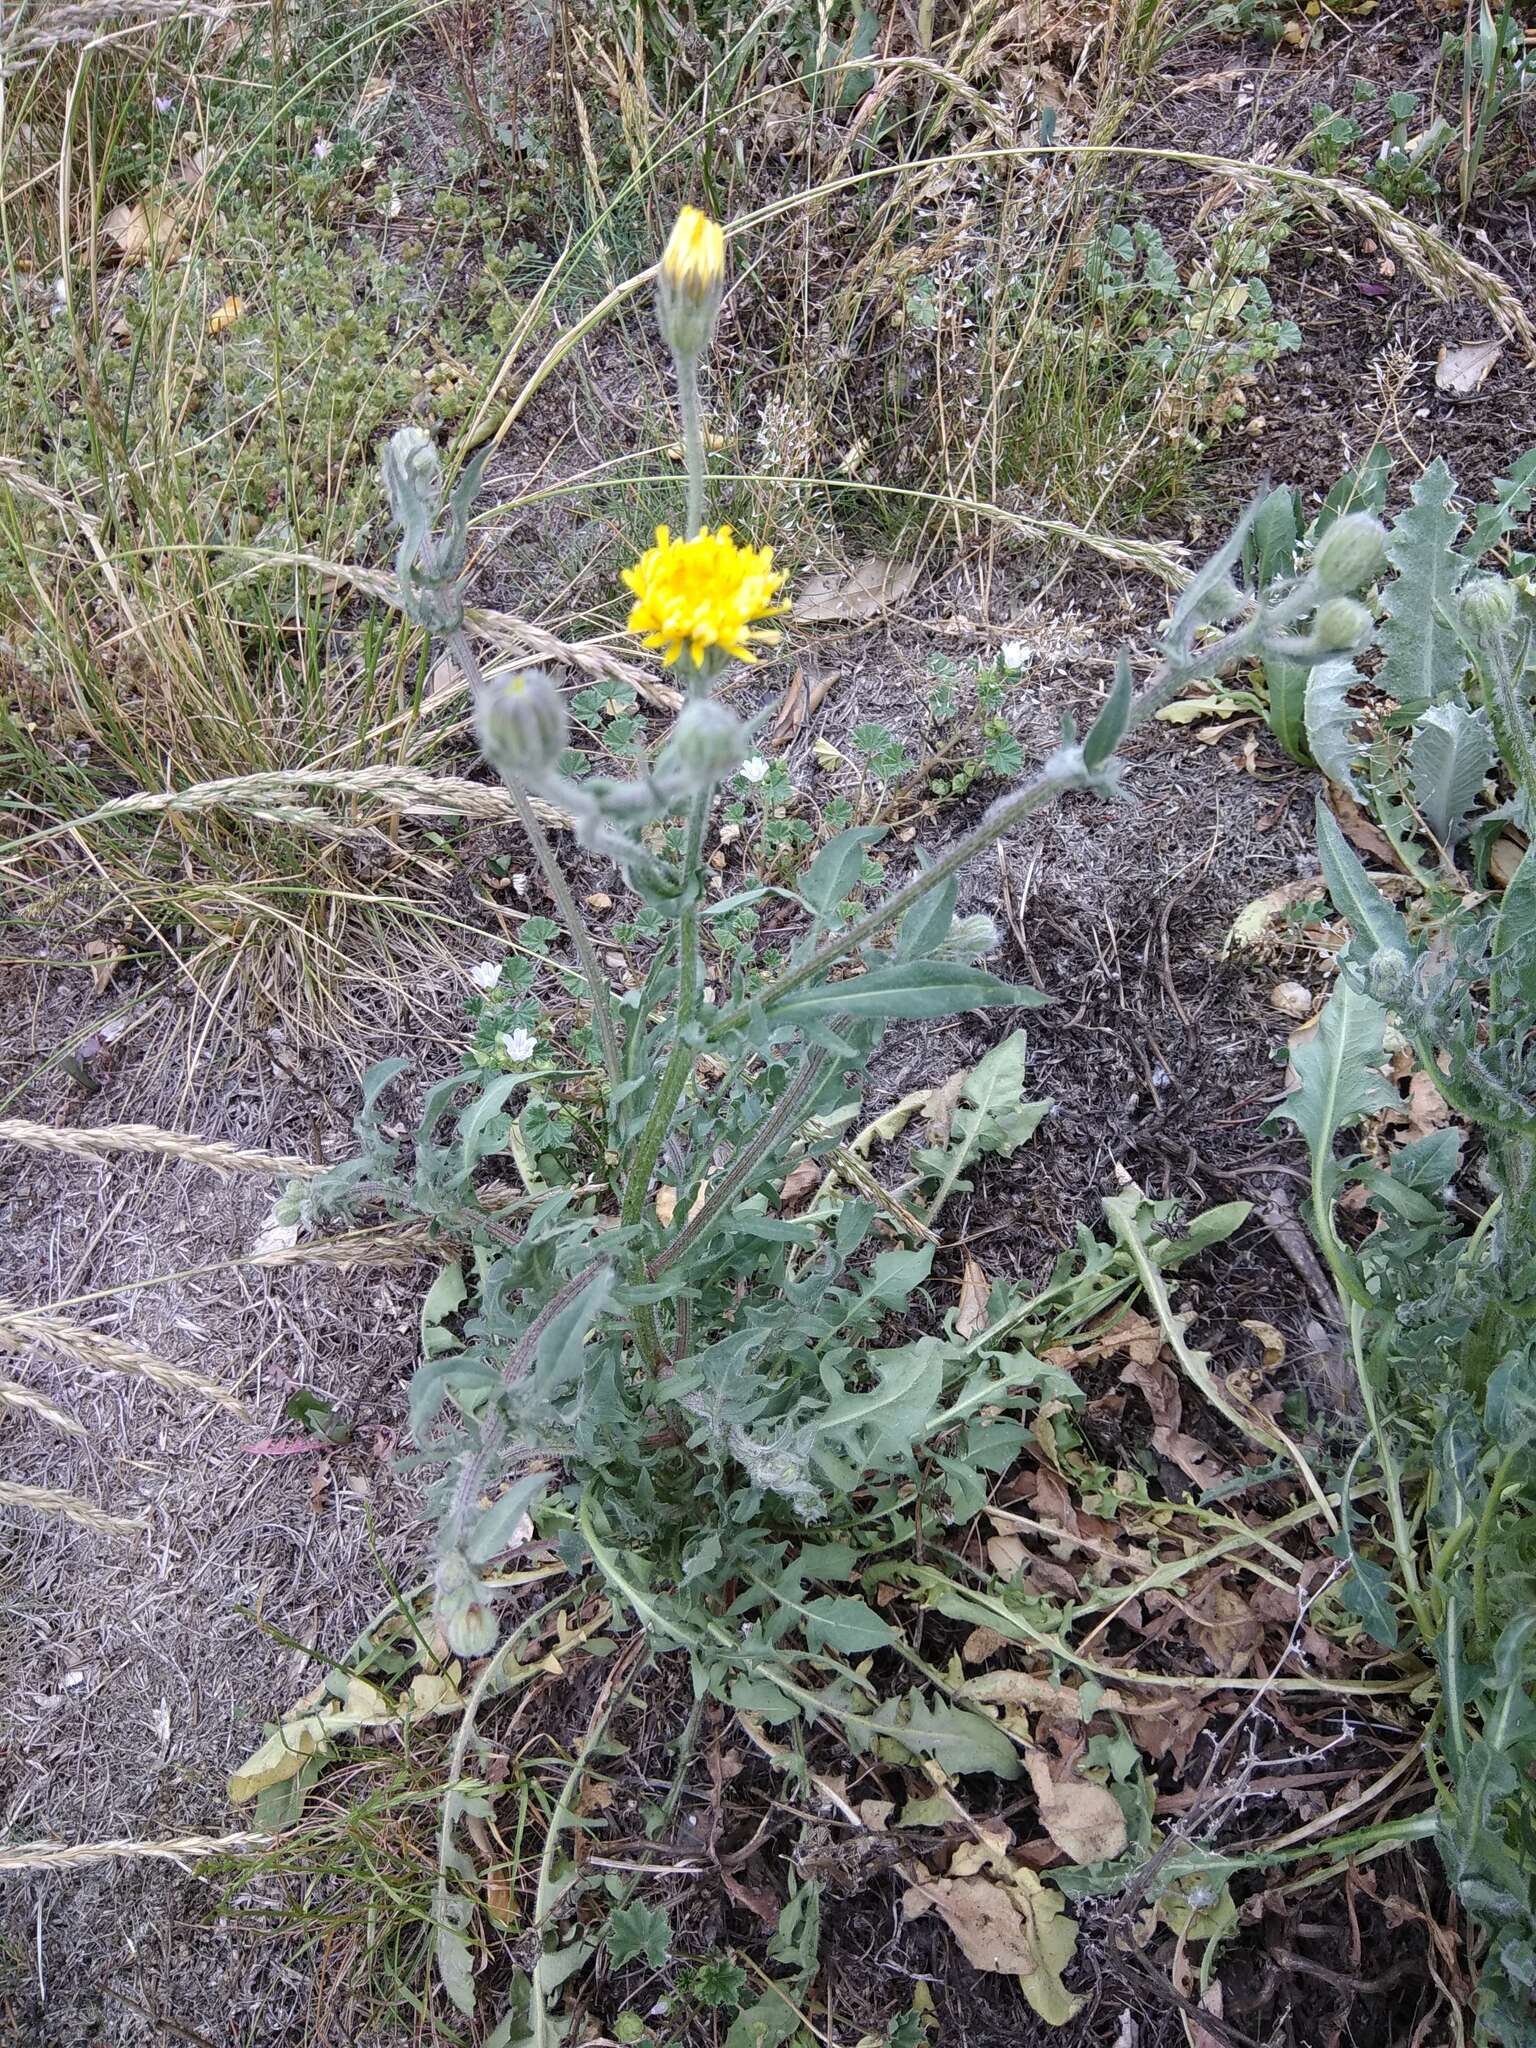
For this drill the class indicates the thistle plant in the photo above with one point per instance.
(681, 1389)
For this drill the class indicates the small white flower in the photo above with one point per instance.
(1016, 655)
(323, 147)
(518, 1046)
(163, 103)
(485, 974)
(754, 769)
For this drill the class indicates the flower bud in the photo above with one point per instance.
(521, 725)
(691, 282)
(1341, 625)
(1487, 605)
(708, 742)
(969, 939)
(1353, 552)
(463, 1613)
(413, 477)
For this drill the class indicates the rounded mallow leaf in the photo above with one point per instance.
(522, 725)
(1351, 553)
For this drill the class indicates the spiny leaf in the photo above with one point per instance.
(1337, 1077)
(1450, 754)
(1419, 646)
(951, 1736)
(1329, 718)
(1511, 499)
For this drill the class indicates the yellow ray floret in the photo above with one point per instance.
(693, 261)
(694, 595)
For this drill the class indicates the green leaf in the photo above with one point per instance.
(1108, 729)
(481, 1128)
(887, 1419)
(952, 1736)
(994, 1116)
(638, 1930)
(835, 871)
(839, 1622)
(444, 1298)
(493, 1532)
(1510, 502)
(1337, 1077)
(1366, 1592)
(1328, 718)
(767, 2024)
(1419, 646)
(1512, 980)
(1363, 489)
(1376, 925)
(558, 1357)
(1450, 754)
(910, 989)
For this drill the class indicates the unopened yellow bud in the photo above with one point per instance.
(692, 281)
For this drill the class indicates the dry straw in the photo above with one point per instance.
(93, 1142)
(49, 1500)
(22, 1327)
(183, 1849)
(14, 1395)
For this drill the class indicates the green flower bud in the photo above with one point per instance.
(1353, 552)
(1487, 605)
(464, 1615)
(969, 939)
(521, 725)
(690, 282)
(1341, 625)
(413, 478)
(708, 742)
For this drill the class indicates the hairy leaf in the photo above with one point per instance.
(1329, 718)
(1419, 645)
(1376, 925)
(908, 989)
(952, 1736)
(1450, 754)
(1337, 1077)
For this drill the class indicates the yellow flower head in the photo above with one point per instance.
(693, 262)
(695, 595)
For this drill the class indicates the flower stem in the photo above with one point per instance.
(693, 438)
(581, 938)
(673, 1076)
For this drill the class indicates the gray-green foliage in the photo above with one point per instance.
(1440, 1295)
(722, 1407)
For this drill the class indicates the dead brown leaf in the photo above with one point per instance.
(1504, 861)
(1081, 1818)
(139, 229)
(801, 701)
(1461, 372)
(1358, 829)
(800, 1184)
(1226, 1628)
(869, 588)
(1271, 1343)
(105, 961)
(975, 1292)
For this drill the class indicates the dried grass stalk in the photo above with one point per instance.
(402, 792)
(50, 1500)
(21, 1327)
(68, 1856)
(104, 1138)
(14, 1395)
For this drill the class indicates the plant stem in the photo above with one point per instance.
(581, 938)
(693, 438)
(1063, 770)
(749, 1154)
(673, 1076)
(1485, 1529)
